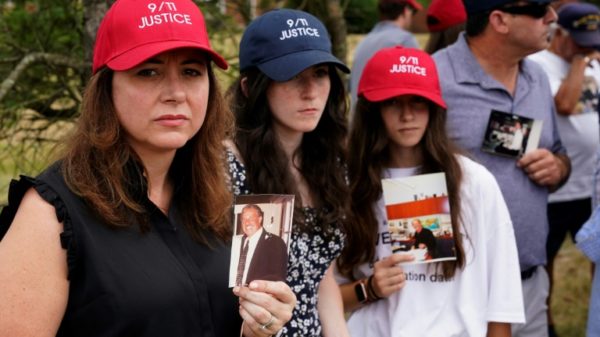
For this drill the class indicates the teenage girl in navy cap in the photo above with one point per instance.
(290, 109)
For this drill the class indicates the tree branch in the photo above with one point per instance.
(55, 59)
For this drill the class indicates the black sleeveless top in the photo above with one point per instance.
(127, 283)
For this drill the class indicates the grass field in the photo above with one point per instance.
(572, 283)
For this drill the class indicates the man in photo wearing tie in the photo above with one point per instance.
(262, 255)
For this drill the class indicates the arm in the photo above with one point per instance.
(569, 92)
(546, 168)
(265, 302)
(388, 278)
(496, 329)
(33, 271)
(588, 237)
(331, 307)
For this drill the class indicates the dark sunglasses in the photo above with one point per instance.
(534, 10)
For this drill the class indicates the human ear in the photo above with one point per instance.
(244, 86)
(498, 21)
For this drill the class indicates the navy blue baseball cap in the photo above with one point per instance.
(480, 6)
(582, 21)
(283, 42)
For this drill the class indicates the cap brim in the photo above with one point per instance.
(417, 6)
(586, 39)
(382, 94)
(285, 67)
(135, 56)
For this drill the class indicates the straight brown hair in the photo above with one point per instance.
(101, 167)
(368, 156)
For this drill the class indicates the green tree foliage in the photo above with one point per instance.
(40, 80)
(41, 58)
(361, 15)
(44, 67)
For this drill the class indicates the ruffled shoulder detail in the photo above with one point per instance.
(17, 191)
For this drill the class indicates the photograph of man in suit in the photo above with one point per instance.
(263, 255)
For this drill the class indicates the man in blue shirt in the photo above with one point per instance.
(395, 18)
(486, 70)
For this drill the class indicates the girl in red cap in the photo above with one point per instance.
(127, 234)
(399, 131)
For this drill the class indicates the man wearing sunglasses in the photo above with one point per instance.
(486, 70)
(571, 63)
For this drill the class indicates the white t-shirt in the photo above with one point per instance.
(580, 133)
(488, 289)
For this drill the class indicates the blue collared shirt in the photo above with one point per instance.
(384, 34)
(588, 241)
(471, 94)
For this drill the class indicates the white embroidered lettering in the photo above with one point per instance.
(158, 19)
(409, 69)
(296, 32)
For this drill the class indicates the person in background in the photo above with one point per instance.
(395, 17)
(486, 70)
(290, 108)
(424, 239)
(399, 131)
(588, 241)
(127, 234)
(445, 20)
(571, 63)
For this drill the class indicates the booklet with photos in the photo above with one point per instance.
(418, 213)
(262, 227)
(511, 135)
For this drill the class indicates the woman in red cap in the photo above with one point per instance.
(399, 131)
(126, 234)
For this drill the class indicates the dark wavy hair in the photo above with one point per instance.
(369, 155)
(101, 167)
(442, 39)
(321, 154)
(391, 10)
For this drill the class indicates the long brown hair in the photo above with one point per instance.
(322, 152)
(369, 155)
(105, 171)
(442, 39)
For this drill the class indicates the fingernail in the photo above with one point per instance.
(236, 290)
(253, 285)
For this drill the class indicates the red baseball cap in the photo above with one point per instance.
(134, 30)
(414, 4)
(400, 71)
(442, 14)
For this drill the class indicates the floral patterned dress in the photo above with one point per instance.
(311, 253)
